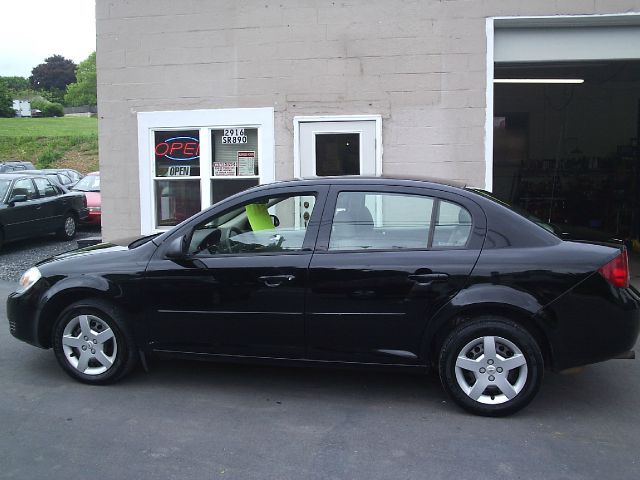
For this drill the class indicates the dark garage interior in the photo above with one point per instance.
(568, 153)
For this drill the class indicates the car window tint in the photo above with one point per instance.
(453, 226)
(64, 179)
(45, 189)
(24, 187)
(367, 220)
(271, 224)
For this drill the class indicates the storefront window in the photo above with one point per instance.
(176, 200)
(177, 153)
(234, 162)
(194, 158)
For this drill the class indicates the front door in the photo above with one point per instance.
(336, 148)
(386, 260)
(241, 288)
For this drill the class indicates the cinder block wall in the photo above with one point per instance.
(421, 64)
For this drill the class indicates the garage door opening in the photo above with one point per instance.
(568, 152)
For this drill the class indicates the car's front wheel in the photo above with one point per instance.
(491, 366)
(92, 342)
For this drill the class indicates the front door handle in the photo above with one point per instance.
(276, 280)
(428, 278)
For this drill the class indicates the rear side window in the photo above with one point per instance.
(373, 221)
(391, 221)
(45, 189)
(453, 226)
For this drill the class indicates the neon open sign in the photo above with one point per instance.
(182, 149)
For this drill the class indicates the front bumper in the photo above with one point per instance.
(92, 218)
(23, 312)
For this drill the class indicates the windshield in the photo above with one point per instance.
(515, 208)
(4, 185)
(90, 183)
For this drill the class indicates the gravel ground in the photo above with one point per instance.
(16, 257)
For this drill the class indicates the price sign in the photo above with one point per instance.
(233, 136)
(246, 163)
(224, 169)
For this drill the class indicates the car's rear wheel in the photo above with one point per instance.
(69, 227)
(92, 342)
(491, 366)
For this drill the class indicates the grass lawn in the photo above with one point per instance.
(65, 142)
(48, 127)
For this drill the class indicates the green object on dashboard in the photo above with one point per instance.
(259, 217)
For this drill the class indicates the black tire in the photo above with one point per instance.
(468, 340)
(69, 227)
(120, 349)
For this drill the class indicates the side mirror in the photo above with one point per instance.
(176, 249)
(275, 220)
(17, 198)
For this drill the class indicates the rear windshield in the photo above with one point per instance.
(515, 208)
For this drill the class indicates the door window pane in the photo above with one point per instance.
(24, 187)
(337, 154)
(45, 189)
(177, 153)
(453, 226)
(364, 220)
(271, 224)
(176, 200)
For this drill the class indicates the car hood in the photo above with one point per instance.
(86, 252)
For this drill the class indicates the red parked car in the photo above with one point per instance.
(90, 186)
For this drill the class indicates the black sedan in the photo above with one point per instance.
(343, 271)
(32, 205)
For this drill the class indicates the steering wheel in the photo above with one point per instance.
(231, 232)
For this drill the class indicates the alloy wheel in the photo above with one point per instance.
(491, 370)
(89, 344)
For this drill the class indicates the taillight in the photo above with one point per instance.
(616, 272)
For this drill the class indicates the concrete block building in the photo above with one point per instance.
(200, 99)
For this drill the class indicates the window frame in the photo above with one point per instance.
(321, 193)
(204, 121)
(33, 184)
(477, 224)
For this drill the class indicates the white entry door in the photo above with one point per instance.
(331, 148)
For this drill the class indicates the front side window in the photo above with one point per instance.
(24, 187)
(270, 224)
(391, 221)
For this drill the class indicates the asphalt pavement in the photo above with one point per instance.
(188, 419)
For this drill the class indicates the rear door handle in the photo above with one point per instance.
(276, 280)
(428, 278)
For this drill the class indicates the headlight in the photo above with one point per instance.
(94, 209)
(28, 279)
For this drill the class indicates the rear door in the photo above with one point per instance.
(52, 206)
(387, 259)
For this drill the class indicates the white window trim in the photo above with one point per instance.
(203, 120)
(613, 18)
(335, 118)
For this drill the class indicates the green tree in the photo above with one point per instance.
(54, 74)
(6, 102)
(84, 91)
(15, 84)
